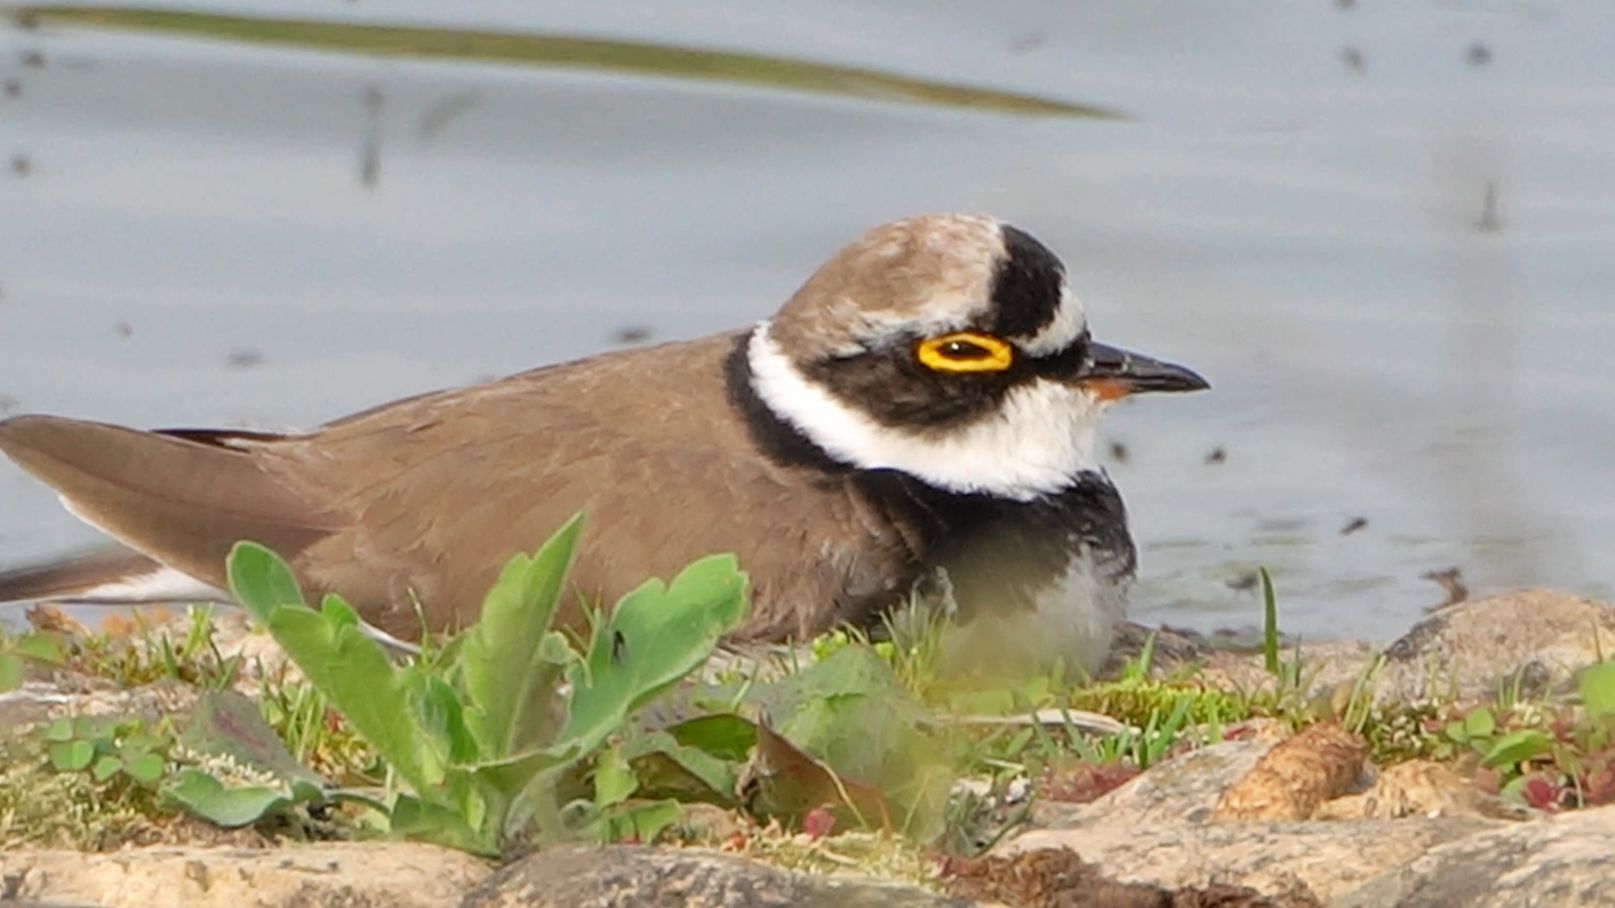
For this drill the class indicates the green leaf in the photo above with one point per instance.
(851, 672)
(71, 756)
(510, 677)
(1517, 747)
(656, 635)
(1513, 790)
(136, 743)
(357, 678)
(11, 672)
(208, 798)
(1270, 623)
(1480, 723)
(725, 736)
(105, 767)
(145, 769)
(59, 730)
(852, 713)
(510, 775)
(261, 581)
(641, 822)
(1597, 685)
(41, 646)
(228, 723)
(416, 819)
(667, 769)
(348, 667)
(439, 714)
(614, 780)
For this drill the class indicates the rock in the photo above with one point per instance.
(1536, 639)
(1058, 878)
(1292, 779)
(70, 694)
(1419, 788)
(1565, 860)
(633, 876)
(1168, 646)
(352, 875)
(50, 692)
(1184, 789)
(1158, 829)
(1328, 666)
(1279, 860)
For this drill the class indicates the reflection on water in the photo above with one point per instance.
(1384, 234)
(635, 57)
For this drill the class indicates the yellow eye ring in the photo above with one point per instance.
(965, 351)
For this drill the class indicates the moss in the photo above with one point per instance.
(871, 855)
(43, 808)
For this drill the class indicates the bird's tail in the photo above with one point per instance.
(109, 575)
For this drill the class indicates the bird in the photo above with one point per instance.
(917, 420)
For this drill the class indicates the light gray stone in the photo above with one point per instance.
(1535, 640)
(349, 874)
(624, 876)
(1182, 790)
(1565, 860)
(1326, 859)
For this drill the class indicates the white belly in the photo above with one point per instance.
(1072, 622)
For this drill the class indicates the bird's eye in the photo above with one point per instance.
(962, 349)
(965, 351)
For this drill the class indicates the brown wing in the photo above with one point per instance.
(180, 500)
(425, 499)
(443, 489)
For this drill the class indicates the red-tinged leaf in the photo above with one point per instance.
(1084, 782)
(1600, 787)
(1541, 794)
(818, 822)
(790, 783)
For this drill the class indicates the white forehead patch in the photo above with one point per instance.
(1035, 444)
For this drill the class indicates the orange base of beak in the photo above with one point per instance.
(1107, 389)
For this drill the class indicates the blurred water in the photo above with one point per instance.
(1384, 231)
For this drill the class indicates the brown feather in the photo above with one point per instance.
(446, 487)
(423, 500)
(181, 502)
(68, 577)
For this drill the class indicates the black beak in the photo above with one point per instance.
(1112, 373)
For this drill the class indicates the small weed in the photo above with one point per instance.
(43, 807)
(1547, 754)
(108, 749)
(144, 653)
(317, 735)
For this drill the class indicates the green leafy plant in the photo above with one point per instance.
(106, 748)
(481, 738)
(865, 747)
(37, 647)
